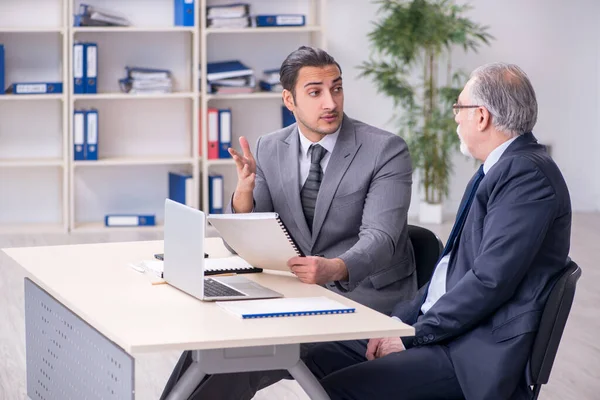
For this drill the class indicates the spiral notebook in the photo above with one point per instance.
(261, 239)
(285, 307)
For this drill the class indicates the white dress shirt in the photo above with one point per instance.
(437, 287)
(328, 143)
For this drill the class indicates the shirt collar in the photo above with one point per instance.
(328, 141)
(495, 155)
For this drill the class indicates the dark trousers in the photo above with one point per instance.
(231, 386)
(423, 373)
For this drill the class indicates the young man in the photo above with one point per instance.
(341, 187)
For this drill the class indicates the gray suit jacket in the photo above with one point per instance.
(361, 210)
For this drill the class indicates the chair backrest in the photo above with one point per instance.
(427, 248)
(552, 325)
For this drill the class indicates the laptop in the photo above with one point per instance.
(184, 260)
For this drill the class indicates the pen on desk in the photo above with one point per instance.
(217, 275)
(159, 283)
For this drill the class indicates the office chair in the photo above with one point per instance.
(552, 325)
(427, 248)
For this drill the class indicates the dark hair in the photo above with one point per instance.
(303, 57)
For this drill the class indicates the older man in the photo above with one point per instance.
(476, 320)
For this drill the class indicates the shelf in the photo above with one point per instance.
(245, 96)
(281, 29)
(121, 29)
(127, 96)
(31, 162)
(30, 29)
(91, 227)
(31, 228)
(224, 161)
(33, 97)
(105, 162)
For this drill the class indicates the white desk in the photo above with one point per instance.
(116, 314)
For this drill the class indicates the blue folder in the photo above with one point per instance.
(184, 12)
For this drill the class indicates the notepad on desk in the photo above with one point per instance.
(212, 266)
(285, 307)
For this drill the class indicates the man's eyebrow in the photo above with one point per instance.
(338, 79)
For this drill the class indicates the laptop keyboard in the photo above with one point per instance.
(214, 288)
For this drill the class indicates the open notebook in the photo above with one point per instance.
(285, 307)
(259, 238)
(212, 266)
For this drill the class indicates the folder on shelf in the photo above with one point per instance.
(122, 220)
(287, 117)
(78, 71)
(2, 69)
(184, 12)
(215, 194)
(224, 133)
(213, 133)
(285, 307)
(79, 135)
(181, 188)
(94, 16)
(229, 23)
(280, 20)
(91, 134)
(91, 67)
(226, 69)
(35, 88)
(235, 10)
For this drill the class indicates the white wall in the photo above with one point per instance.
(554, 42)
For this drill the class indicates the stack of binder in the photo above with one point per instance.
(94, 16)
(228, 16)
(85, 135)
(219, 133)
(146, 80)
(85, 68)
(270, 81)
(229, 77)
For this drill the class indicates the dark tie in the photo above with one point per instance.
(464, 210)
(310, 190)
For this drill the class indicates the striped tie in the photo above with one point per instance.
(310, 190)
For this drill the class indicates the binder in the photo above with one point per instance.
(2, 69)
(181, 188)
(285, 307)
(78, 71)
(224, 133)
(91, 67)
(122, 220)
(184, 12)
(287, 117)
(79, 135)
(280, 20)
(215, 194)
(261, 239)
(35, 88)
(226, 69)
(235, 10)
(213, 133)
(91, 134)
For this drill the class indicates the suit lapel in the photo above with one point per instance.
(289, 173)
(343, 153)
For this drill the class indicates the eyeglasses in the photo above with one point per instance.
(456, 107)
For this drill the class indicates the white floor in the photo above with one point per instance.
(575, 376)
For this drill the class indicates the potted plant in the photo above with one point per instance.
(412, 64)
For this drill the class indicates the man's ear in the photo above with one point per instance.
(484, 118)
(288, 100)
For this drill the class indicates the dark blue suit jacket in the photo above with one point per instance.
(514, 245)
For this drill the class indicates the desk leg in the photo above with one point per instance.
(247, 359)
(308, 382)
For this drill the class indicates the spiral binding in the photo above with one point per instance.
(289, 237)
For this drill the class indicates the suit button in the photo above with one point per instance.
(425, 340)
(420, 340)
(415, 342)
(430, 336)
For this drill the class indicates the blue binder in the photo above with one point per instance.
(180, 187)
(123, 220)
(79, 135)
(224, 133)
(184, 12)
(91, 135)
(226, 69)
(78, 68)
(35, 88)
(2, 72)
(287, 117)
(215, 194)
(91, 67)
(280, 20)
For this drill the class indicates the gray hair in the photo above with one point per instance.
(506, 92)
